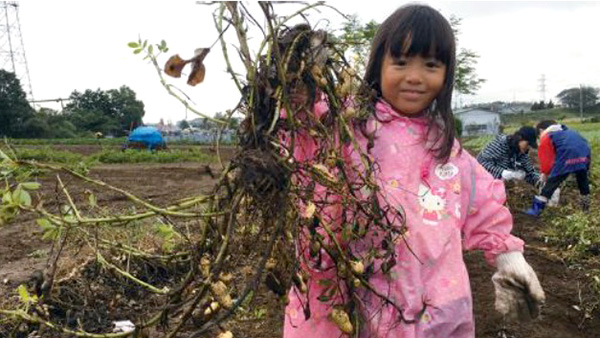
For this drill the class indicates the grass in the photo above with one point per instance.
(95, 141)
(559, 114)
(107, 156)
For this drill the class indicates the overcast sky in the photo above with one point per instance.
(79, 45)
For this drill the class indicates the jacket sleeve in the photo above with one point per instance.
(488, 222)
(532, 176)
(491, 155)
(546, 154)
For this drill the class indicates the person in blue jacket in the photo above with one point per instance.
(561, 152)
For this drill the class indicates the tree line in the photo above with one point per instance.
(111, 112)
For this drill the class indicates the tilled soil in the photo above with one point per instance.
(22, 252)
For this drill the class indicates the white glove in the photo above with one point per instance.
(553, 202)
(508, 175)
(519, 294)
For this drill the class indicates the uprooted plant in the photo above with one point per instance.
(309, 208)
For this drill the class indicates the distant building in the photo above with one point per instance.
(515, 108)
(478, 121)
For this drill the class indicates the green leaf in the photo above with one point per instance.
(163, 44)
(137, 51)
(4, 156)
(21, 196)
(323, 298)
(145, 44)
(93, 200)
(31, 185)
(7, 198)
(51, 231)
(325, 282)
(25, 198)
(166, 49)
(133, 45)
(23, 294)
(150, 49)
(165, 231)
(44, 223)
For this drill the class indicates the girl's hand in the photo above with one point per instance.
(519, 294)
(517, 175)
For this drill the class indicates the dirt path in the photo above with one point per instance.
(22, 252)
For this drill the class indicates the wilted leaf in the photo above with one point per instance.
(323, 171)
(226, 334)
(341, 320)
(198, 69)
(174, 66)
(197, 75)
(309, 211)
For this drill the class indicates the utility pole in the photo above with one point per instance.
(12, 50)
(581, 102)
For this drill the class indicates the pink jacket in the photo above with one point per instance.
(449, 207)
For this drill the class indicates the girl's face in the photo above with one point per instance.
(411, 83)
(523, 146)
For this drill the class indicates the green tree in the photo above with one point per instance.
(458, 126)
(356, 41)
(571, 97)
(550, 104)
(542, 105)
(115, 111)
(535, 106)
(183, 124)
(466, 79)
(58, 124)
(126, 108)
(14, 108)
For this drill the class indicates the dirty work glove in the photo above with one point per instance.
(555, 198)
(508, 175)
(519, 294)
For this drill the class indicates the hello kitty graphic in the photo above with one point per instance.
(432, 204)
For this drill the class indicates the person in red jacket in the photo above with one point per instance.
(561, 152)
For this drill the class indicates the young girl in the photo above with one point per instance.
(449, 201)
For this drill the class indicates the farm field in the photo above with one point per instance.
(572, 297)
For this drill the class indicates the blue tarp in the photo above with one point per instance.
(149, 136)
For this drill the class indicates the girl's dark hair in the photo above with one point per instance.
(429, 34)
(543, 125)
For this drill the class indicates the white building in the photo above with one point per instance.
(478, 121)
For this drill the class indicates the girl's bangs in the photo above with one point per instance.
(420, 36)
